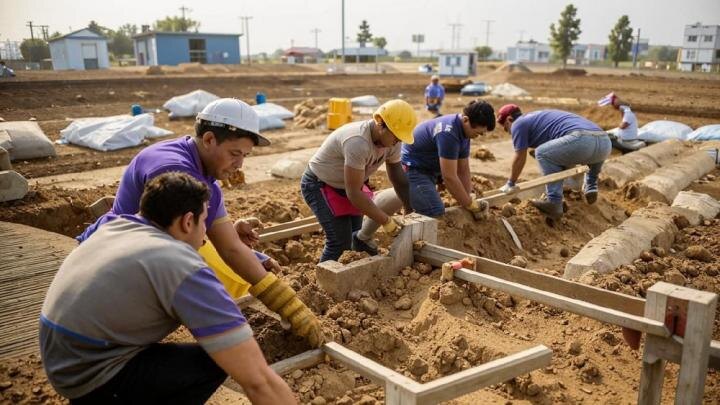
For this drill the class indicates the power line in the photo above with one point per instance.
(316, 31)
(455, 31)
(246, 30)
(183, 9)
(487, 31)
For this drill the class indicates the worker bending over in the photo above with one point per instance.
(334, 184)
(128, 286)
(225, 133)
(561, 141)
(434, 95)
(625, 137)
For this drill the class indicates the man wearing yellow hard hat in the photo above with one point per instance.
(334, 184)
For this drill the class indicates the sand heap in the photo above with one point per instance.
(513, 67)
(309, 115)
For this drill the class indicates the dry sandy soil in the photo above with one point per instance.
(415, 324)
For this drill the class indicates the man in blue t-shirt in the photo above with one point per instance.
(434, 95)
(561, 141)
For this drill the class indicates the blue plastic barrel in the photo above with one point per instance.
(260, 98)
(136, 109)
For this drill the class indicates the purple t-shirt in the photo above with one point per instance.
(437, 138)
(178, 155)
(535, 128)
(435, 91)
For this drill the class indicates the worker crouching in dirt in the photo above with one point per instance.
(109, 307)
(561, 141)
(625, 137)
(434, 95)
(225, 133)
(334, 185)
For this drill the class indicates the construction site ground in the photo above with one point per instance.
(415, 324)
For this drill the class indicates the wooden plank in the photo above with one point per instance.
(653, 366)
(286, 225)
(289, 232)
(576, 306)
(482, 376)
(307, 359)
(437, 255)
(671, 350)
(540, 181)
(376, 372)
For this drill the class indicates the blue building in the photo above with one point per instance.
(173, 48)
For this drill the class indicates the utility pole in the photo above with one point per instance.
(316, 31)
(183, 9)
(636, 50)
(342, 18)
(44, 30)
(522, 34)
(30, 24)
(455, 31)
(246, 29)
(487, 31)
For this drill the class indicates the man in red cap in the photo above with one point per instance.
(561, 141)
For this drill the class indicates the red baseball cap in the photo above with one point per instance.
(506, 111)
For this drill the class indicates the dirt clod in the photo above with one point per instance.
(403, 303)
(451, 293)
(417, 366)
(369, 306)
(519, 261)
(564, 252)
(698, 252)
(483, 153)
(508, 210)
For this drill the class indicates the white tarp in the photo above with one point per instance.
(25, 140)
(508, 90)
(288, 169)
(658, 131)
(111, 133)
(365, 101)
(190, 104)
(272, 115)
(706, 133)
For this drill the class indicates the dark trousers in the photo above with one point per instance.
(164, 373)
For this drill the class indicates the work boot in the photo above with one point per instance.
(591, 196)
(360, 245)
(551, 209)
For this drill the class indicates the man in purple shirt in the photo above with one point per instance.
(225, 133)
(434, 95)
(561, 141)
(107, 310)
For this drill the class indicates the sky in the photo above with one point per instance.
(282, 23)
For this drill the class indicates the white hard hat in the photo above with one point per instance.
(233, 114)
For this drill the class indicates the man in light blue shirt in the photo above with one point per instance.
(434, 95)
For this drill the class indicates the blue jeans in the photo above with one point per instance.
(577, 147)
(424, 196)
(338, 230)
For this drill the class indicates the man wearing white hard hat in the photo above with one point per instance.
(225, 133)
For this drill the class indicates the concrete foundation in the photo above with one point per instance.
(665, 183)
(647, 227)
(695, 206)
(13, 186)
(367, 274)
(618, 172)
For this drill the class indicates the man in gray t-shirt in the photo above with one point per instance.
(334, 184)
(128, 286)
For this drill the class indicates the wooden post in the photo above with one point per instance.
(653, 367)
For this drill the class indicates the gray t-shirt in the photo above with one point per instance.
(127, 286)
(350, 145)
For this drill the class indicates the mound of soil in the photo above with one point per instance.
(569, 72)
(513, 67)
(605, 117)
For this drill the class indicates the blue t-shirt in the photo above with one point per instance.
(535, 128)
(442, 137)
(435, 91)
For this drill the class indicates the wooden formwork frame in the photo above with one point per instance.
(677, 321)
(401, 390)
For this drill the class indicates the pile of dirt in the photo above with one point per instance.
(237, 178)
(605, 117)
(23, 380)
(309, 115)
(483, 153)
(569, 72)
(513, 67)
(154, 70)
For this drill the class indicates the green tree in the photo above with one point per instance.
(120, 41)
(176, 24)
(621, 38)
(405, 55)
(34, 50)
(662, 53)
(564, 35)
(364, 36)
(483, 52)
(380, 42)
(55, 34)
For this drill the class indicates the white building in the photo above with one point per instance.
(701, 48)
(584, 54)
(79, 50)
(529, 52)
(457, 63)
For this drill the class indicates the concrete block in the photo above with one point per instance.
(338, 279)
(618, 172)
(13, 186)
(695, 206)
(5, 159)
(647, 227)
(665, 183)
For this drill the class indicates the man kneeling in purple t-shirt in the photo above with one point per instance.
(108, 308)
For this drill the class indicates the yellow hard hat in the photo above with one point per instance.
(400, 118)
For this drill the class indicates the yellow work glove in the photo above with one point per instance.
(392, 227)
(280, 298)
(477, 208)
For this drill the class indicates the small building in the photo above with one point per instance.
(361, 54)
(585, 54)
(529, 52)
(83, 49)
(457, 63)
(172, 48)
(701, 48)
(299, 54)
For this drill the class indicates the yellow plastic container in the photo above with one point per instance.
(339, 112)
(234, 284)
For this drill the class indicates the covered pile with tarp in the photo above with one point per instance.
(190, 104)
(272, 115)
(25, 140)
(662, 130)
(112, 133)
(705, 133)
